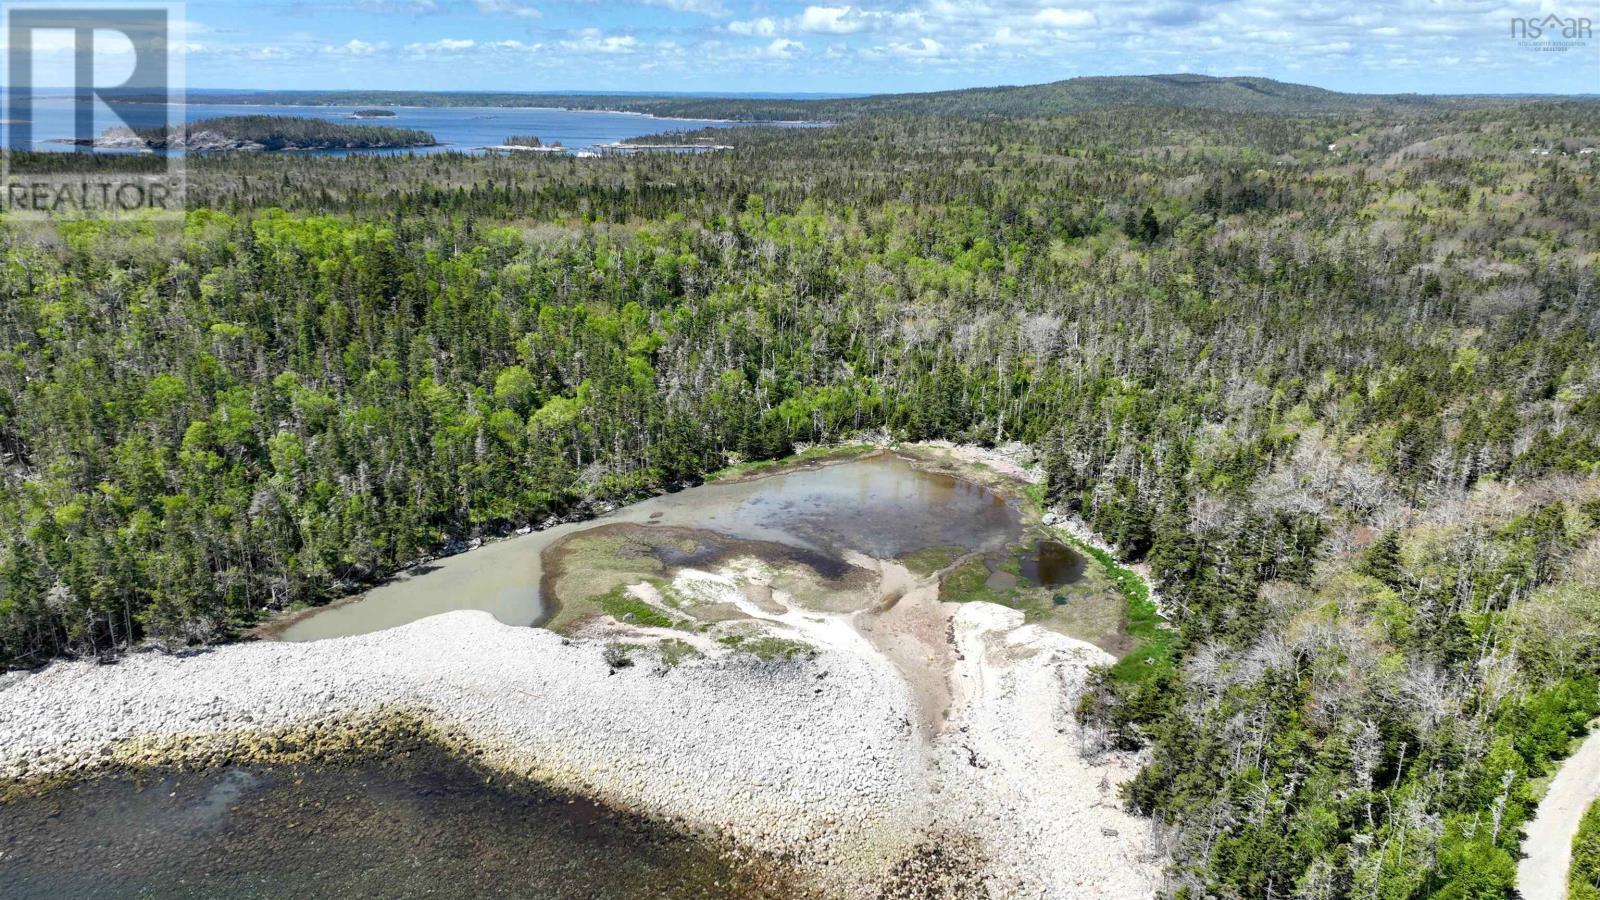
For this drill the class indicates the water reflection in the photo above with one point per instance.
(1051, 564)
(418, 825)
(882, 506)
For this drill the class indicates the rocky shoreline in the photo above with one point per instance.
(813, 759)
(827, 759)
(692, 744)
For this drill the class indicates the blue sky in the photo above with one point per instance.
(892, 45)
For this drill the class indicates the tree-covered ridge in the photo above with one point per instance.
(268, 132)
(1181, 91)
(1346, 403)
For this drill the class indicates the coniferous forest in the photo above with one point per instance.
(1336, 378)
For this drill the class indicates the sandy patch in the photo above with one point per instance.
(912, 629)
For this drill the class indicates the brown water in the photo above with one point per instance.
(1051, 564)
(418, 825)
(881, 506)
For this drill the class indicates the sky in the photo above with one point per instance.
(880, 46)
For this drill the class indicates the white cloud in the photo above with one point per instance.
(412, 7)
(356, 47)
(762, 27)
(830, 20)
(926, 48)
(514, 8)
(713, 8)
(62, 41)
(783, 48)
(1064, 18)
(833, 20)
(593, 40)
(1004, 36)
(443, 45)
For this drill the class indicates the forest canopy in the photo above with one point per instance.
(1335, 378)
(265, 132)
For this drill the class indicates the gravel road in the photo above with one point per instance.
(1547, 840)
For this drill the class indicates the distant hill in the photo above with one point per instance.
(1224, 94)
(1259, 95)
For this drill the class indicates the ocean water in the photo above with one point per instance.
(420, 824)
(460, 129)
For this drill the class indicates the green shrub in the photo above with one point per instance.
(1583, 879)
(622, 606)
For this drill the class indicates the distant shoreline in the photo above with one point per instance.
(565, 109)
(467, 129)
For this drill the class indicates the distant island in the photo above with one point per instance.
(675, 142)
(261, 133)
(527, 143)
(372, 114)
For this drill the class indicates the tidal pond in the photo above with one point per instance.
(881, 505)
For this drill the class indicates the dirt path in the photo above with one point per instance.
(911, 628)
(1548, 838)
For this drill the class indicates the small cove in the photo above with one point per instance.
(855, 556)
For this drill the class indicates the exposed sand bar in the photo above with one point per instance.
(502, 578)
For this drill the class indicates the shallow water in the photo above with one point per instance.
(461, 129)
(1051, 564)
(881, 506)
(418, 825)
